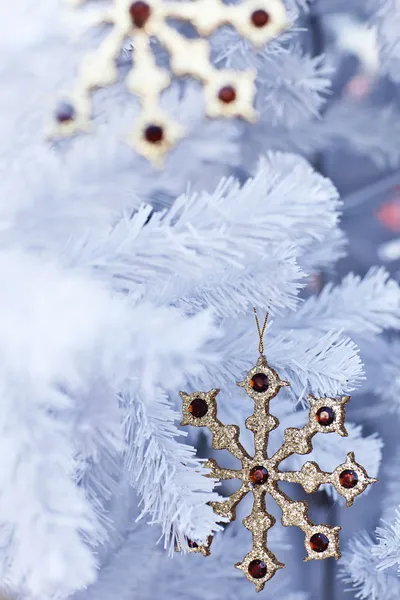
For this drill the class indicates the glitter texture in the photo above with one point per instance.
(296, 441)
(141, 21)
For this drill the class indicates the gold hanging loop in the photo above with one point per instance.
(261, 331)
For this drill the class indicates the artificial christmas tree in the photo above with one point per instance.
(122, 284)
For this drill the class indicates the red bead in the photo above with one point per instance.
(319, 542)
(227, 94)
(257, 569)
(259, 382)
(258, 475)
(65, 112)
(192, 544)
(348, 479)
(140, 12)
(260, 18)
(198, 407)
(154, 134)
(325, 416)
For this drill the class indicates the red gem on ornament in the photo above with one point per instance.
(319, 542)
(348, 479)
(258, 475)
(140, 12)
(154, 134)
(325, 416)
(198, 407)
(192, 544)
(65, 112)
(227, 94)
(259, 382)
(260, 18)
(257, 569)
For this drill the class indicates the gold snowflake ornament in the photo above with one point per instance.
(260, 474)
(228, 93)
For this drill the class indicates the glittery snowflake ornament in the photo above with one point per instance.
(260, 474)
(228, 93)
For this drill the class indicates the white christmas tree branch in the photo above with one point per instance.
(387, 549)
(292, 85)
(385, 17)
(168, 477)
(362, 127)
(363, 307)
(382, 378)
(325, 253)
(358, 568)
(43, 510)
(212, 237)
(328, 364)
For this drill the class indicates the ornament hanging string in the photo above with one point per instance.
(261, 331)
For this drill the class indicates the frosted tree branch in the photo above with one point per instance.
(357, 569)
(386, 18)
(363, 307)
(167, 476)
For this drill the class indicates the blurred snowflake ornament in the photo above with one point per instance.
(228, 93)
(261, 475)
